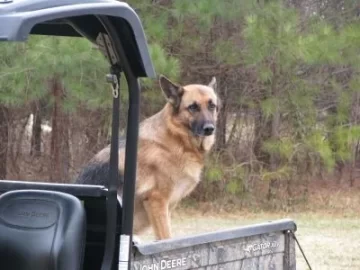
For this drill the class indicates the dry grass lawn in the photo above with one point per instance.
(330, 240)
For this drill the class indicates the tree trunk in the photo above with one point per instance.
(60, 147)
(262, 134)
(14, 151)
(268, 129)
(353, 164)
(354, 118)
(274, 159)
(4, 140)
(234, 129)
(220, 133)
(35, 149)
(95, 132)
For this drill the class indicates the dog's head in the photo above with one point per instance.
(195, 106)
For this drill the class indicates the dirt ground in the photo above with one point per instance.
(330, 241)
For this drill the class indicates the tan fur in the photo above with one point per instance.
(170, 160)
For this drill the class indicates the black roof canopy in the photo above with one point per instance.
(79, 18)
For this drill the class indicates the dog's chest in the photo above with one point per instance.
(181, 190)
(192, 170)
(185, 180)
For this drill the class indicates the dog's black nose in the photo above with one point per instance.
(208, 129)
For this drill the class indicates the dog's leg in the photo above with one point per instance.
(157, 209)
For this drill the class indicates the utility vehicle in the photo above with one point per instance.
(48, 226)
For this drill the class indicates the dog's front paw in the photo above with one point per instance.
(136, 240)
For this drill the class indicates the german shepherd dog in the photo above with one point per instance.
(172, 148)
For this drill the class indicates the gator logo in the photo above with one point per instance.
(261, 246)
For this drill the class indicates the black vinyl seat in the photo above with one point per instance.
(41, 230)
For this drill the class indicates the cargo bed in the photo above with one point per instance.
(267, 245)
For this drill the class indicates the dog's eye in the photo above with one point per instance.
(193, 107)
(212, 106)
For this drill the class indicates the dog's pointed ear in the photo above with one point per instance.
(172, 91)
(213, 83)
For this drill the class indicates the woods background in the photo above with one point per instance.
(288, 77)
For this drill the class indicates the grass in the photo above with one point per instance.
(329, 240)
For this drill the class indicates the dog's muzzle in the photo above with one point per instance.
(208, 129)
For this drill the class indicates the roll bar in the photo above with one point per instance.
(117, 30)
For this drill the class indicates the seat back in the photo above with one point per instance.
(41, 230)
